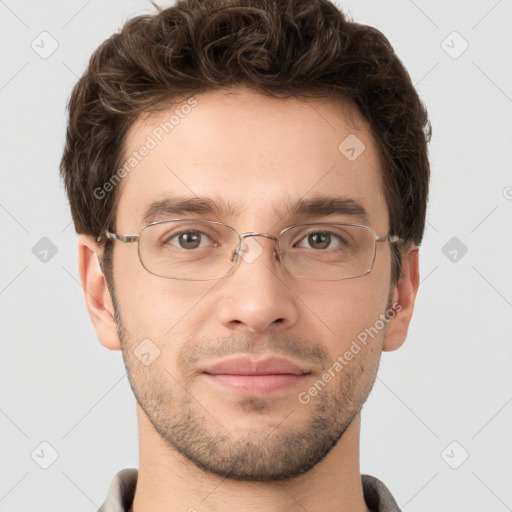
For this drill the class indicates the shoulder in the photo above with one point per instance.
(377, 496)
(121, 492)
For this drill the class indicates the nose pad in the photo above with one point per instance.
(239, 251)
(277, 255)
(234, 255)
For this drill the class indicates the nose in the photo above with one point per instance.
(258, 295)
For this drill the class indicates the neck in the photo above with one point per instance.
(169, 481)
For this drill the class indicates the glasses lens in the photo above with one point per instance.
(328, 251)
(187, 249)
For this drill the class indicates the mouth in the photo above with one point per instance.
(248, 377)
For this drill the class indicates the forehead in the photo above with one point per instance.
(246, 158)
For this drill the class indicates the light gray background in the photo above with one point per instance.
(451, 381)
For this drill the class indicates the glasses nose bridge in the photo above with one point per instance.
(257, 233)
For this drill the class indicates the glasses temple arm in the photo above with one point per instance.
(126, 239)
(393, 239)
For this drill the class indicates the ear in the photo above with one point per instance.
(404, 296)
(97, 296)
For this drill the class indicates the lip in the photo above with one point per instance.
(247, 366)
(248, 377)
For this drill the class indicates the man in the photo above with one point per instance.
(249, 181)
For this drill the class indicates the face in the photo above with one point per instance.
(236, 360)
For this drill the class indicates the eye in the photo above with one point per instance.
(320, 240)
(189, 239)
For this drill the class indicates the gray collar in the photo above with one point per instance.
(122, 491)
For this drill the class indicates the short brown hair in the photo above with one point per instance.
(280, 48)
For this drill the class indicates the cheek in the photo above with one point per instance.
(151, 306)
(349, 307)
(140, 303)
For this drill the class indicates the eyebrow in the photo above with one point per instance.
(325, 206)
(319, 206)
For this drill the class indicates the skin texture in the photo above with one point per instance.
(204, 446)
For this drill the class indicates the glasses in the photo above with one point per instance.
(199, 250)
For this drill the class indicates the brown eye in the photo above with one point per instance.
(320, 240)
(191, 239)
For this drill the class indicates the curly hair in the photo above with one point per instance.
(279, 48)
